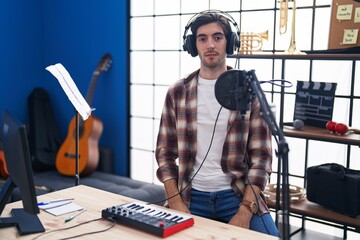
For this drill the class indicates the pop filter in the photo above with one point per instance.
(232, 90)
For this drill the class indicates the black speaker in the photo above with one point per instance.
(232, 40)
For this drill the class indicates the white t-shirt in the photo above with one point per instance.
(210, 177)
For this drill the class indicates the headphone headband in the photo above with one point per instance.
(189, 40)
(223, 14)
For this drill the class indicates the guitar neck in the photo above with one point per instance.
(103, 65)
(91, 90)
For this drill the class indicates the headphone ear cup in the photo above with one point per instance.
(190, 45)
(232, 43)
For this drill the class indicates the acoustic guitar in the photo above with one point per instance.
(89, 134)
(3, 169)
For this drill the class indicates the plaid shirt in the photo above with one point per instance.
(246, 151)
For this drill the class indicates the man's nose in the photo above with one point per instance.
(211, 43)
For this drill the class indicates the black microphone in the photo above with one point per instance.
(233, 92)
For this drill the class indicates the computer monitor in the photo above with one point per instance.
(18, 162)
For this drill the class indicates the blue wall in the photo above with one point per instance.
(76, 33)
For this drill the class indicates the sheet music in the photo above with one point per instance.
(69, 87)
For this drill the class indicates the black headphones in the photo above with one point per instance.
(232, 39)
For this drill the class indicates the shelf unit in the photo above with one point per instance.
(305, 209)
(313, 210)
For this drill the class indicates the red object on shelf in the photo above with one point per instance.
(341, 128)
(330, 125)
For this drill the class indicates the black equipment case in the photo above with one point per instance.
(334, 187)
(44, 139)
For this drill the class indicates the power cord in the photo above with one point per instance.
(207, 152)
(78, 225)
(257, 202)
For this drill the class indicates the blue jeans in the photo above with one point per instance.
(222, 206)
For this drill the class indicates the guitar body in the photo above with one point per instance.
(89, 135)
(3, 169)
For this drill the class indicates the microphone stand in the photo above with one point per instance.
(282, 153)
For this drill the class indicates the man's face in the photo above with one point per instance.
(211, 45)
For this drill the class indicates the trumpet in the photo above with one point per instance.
(252, 42)
(284, 8)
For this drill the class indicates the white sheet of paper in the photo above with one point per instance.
(69, 87)
(63, 209)
(54, 204)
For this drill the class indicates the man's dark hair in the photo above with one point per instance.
(211, 17)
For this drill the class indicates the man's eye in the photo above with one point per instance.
(202, 39)
(218, 37)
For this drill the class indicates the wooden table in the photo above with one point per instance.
(95, 200)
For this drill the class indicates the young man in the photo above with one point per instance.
(213, 162)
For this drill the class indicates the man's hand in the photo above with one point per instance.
(242, 218)
(179, 206)
(175, 201)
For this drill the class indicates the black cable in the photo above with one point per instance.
(77, 225)
(282, 83)
(257, 202)
(252, 188)
(94, 232)
(183, 189)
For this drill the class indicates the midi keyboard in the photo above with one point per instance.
(158, 221)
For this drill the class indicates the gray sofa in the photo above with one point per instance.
(103, 178)
(53, 181)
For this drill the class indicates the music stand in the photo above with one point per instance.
(77, 175)
(82, 108)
